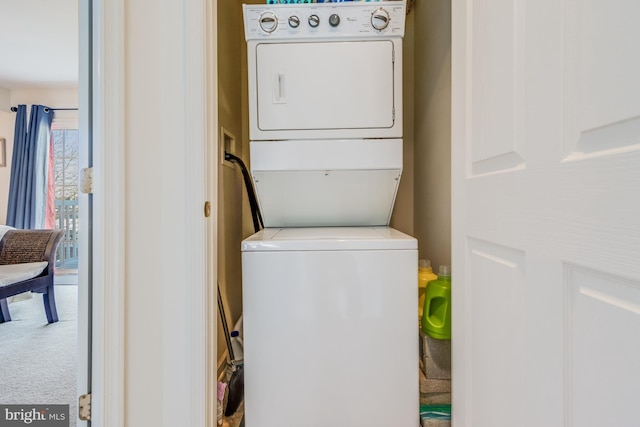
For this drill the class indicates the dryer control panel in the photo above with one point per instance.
(325, 20)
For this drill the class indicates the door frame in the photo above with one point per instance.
(110, 241)
(108, 323)
(83, 381)
(459, 369)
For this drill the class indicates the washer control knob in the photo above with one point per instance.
(380, 19)
(294, 21)
(268, 22)
(334, 20)
(314, 21)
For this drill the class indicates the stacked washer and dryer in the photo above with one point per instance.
(329, 289)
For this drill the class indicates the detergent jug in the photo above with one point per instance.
(436, 315)
(425, 275)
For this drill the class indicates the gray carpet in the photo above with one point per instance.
(38, 360)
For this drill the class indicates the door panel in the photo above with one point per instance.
(496, 272)
(497, 102)
(546, 242)
(303, 85)
(602, 77)
(602, 336)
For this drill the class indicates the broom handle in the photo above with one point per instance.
(227, 336)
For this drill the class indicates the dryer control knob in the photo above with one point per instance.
(314, 21)
(268, 22)
(294, 21)
(380, 19)
(334, 20)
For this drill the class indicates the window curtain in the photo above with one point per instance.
(29, 185)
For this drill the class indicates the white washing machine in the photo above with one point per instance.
(330, 337)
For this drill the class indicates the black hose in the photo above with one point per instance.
(258, 224)
(236, 382)
(225, 326)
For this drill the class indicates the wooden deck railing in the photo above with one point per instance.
(67, 219)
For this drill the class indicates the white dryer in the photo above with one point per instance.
(330, 331)
(325, 70)
(325, 111)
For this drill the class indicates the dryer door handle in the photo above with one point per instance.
(279, 89)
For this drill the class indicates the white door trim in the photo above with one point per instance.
(200, 114)
(211, 188)
(108, 374)
(459, 398)
(84, 128)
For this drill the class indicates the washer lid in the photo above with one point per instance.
(326, 183)
(328, 239)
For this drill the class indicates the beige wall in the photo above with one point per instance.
(233, 210)
(5, 99)
(55, 98)
(403, 217)
(432, 125)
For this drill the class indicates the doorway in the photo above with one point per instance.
(56, 343)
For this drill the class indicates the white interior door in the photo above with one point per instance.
(546, 213)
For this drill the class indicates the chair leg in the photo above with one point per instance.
(49, 300)
(5, 316)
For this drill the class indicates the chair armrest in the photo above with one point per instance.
(21, 246)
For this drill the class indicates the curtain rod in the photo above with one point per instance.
(15, 109)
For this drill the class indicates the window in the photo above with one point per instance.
(66, 170)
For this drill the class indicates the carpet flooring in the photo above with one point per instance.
(39, 360)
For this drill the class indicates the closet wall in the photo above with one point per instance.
(230, 184)
(432, 127)
(234, 215)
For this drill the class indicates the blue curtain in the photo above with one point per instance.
(28, 185)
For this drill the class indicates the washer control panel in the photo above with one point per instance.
(325, 20)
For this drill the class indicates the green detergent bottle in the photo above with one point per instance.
(436, 315)
(425, 275)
